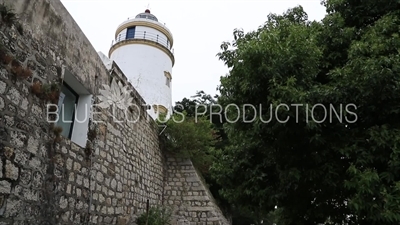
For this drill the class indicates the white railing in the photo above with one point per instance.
(145, 35)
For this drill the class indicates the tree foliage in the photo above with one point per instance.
(341, 170)
(190, 137)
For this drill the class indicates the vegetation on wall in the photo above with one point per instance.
(57, 133)
(13, 65)
(9, 18)
(7, 15)
(157, 215)
(47, 92)
(5, 58)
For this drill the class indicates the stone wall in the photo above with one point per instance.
(45, 179)
(47, 182)
(187, 194)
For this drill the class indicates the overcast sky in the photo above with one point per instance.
(198, 28)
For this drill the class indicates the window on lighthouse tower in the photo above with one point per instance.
(168, 78)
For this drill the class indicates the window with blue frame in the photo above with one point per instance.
(130, 33)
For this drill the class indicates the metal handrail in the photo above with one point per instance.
(145, 35)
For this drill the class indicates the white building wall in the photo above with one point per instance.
(107, 62)
(144, 66)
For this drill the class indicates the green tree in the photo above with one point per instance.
(338, 171)
(190, 138)
(199, 103)
(187, 105)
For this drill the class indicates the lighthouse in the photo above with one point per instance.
(143, 50)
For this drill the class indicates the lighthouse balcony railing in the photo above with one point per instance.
(144, 35)
(157, 22)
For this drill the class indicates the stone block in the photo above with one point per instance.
(12, 171)
(13, 208)
(5, 187)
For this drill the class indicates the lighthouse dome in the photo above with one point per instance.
(146, 15)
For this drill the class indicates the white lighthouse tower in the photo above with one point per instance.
(143, 50)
